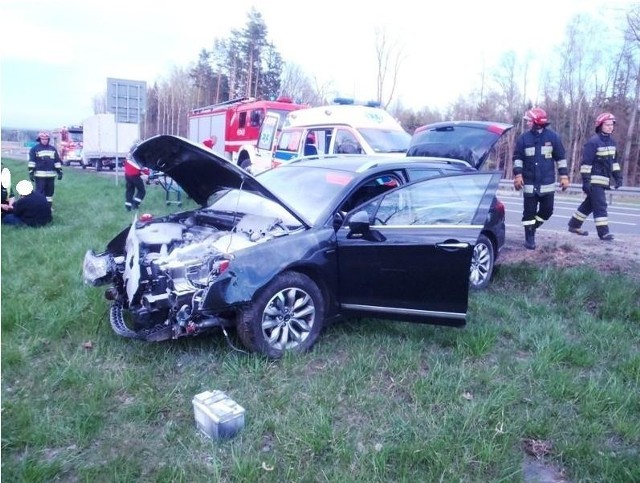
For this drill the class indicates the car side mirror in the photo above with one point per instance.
(359, 225)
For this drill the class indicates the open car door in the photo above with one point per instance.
(406, 255)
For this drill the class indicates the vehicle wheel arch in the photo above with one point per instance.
(245, 153)
(483, 263)
(250, 318)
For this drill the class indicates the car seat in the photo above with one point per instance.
(310, 150)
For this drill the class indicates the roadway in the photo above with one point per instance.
(624, 218)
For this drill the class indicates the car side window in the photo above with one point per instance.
(370, 189)
(443, 201)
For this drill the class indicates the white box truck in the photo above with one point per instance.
(105, 141)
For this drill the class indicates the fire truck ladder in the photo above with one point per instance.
(230, 102)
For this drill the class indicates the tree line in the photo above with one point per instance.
(587, 77)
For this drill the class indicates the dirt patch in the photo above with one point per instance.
(564, 249)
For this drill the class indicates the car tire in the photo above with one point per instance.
(482, 263)
(286, 315)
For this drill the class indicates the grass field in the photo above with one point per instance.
(542, 385)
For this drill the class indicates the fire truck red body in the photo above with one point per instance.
(232, 128)
(68, 142)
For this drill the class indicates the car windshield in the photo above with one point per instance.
(238, 201)
(386, 140)
(308, 190)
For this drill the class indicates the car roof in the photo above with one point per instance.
(365, 163)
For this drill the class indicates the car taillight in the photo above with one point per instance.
(499, 208)
(146, 217)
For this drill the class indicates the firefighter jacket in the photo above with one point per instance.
(599, 162)
(131, 168)
(535, 156)
(44, 161)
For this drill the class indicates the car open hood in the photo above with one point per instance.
(470, 141)
(196, 169)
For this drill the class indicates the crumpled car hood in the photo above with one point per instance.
(197, 170)
(470, 141)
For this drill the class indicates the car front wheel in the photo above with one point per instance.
(482, 263)
(287, 315)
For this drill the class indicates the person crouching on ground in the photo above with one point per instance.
(30, 209)
(135, 190)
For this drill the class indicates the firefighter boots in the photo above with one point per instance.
(575, 224)
(603, 233)
(578, 231)
(530, 237)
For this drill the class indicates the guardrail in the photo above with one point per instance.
(574, 189)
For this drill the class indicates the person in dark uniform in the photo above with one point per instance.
(599, 165)
(31, 208)
(537, 152)
(44, 165)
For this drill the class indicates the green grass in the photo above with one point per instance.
(549, 355)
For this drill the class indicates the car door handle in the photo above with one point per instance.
(450, 246)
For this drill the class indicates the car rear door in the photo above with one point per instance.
(407, 254)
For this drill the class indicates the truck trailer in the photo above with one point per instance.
(107, 142)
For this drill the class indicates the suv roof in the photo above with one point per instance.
(361, 162)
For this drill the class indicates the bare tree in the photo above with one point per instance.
(632, 37)
(389, 57)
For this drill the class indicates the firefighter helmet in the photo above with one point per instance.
(537, 116)
(42, 134)
(602, 118)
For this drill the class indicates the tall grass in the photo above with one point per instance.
(548, 356)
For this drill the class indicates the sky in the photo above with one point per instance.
(56, 56)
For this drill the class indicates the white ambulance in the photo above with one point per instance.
(341, 128)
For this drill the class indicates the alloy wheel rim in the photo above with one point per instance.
(288, 318)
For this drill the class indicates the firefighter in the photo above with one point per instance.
(536, 152)
(44, 165)
(134, 190)
(599, 165)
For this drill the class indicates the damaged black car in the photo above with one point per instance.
(278, 256)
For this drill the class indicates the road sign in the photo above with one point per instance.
(126, 99)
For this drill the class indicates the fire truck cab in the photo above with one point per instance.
(68, 142)
(340, 128)
(231, 129)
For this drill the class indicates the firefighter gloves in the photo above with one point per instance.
(564, 182)
(59, 175)
(618, 182)
(586, 187)
(518, 182)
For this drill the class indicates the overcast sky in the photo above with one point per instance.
(56, 55)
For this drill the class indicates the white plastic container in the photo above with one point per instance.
(217, 415)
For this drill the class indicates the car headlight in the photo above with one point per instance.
(95, 268)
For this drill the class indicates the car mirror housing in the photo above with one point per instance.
(359, 224)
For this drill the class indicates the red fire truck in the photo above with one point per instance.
(232, 128)
(68, 142)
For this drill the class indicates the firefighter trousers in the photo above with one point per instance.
(538, 208)
(134, 191)
(596, 203)
(45, 185)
